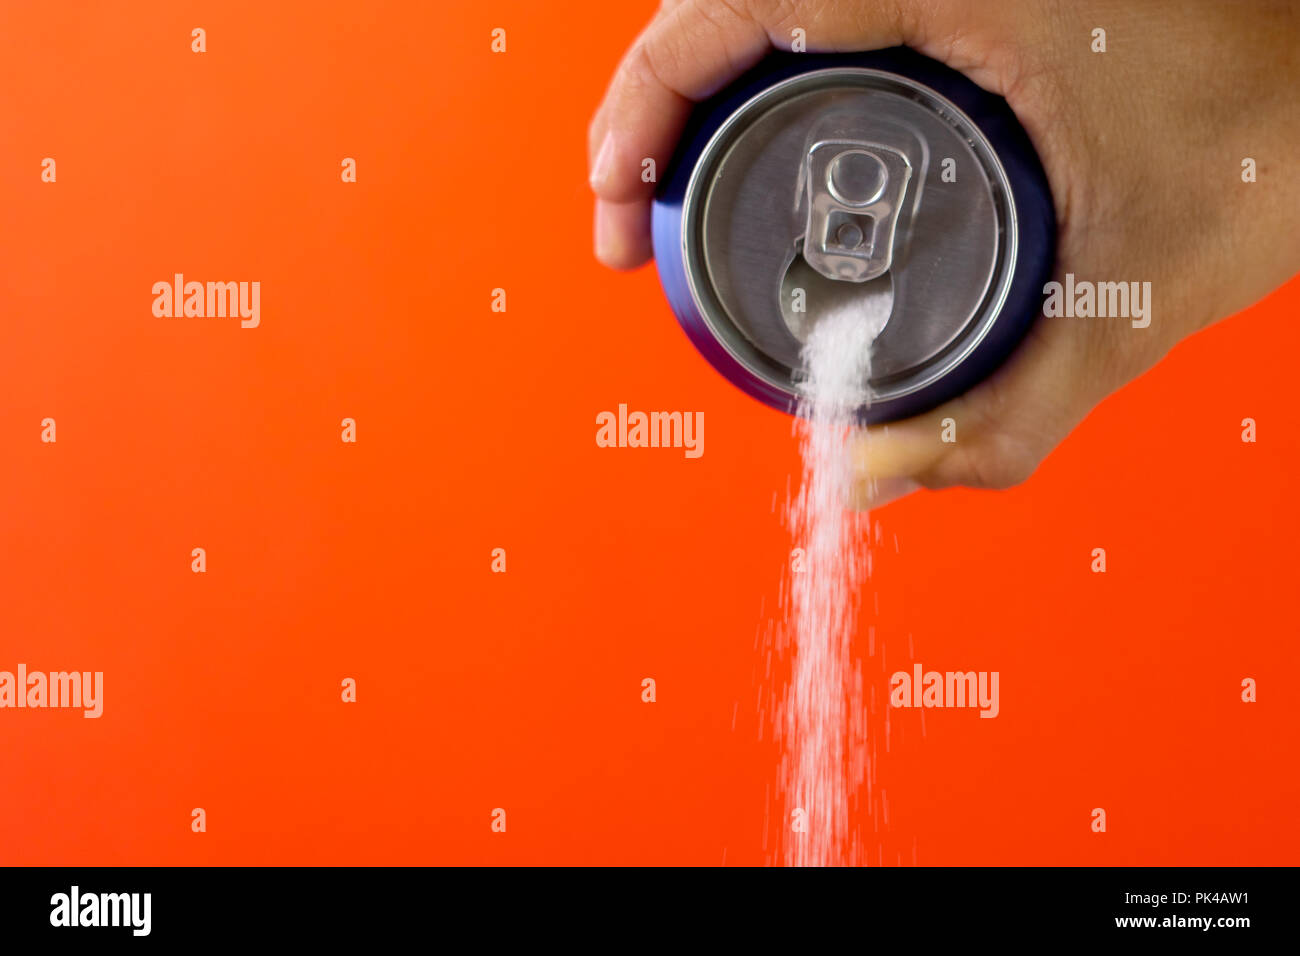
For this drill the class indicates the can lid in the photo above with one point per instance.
(841, 184)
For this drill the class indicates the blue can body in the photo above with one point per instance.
(989, 113)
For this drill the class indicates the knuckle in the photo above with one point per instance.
(994, 453)
(649, 61)
(993, 464)
(1009, 463)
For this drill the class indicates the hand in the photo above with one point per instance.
(1142, 144)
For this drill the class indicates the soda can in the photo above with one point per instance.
(820, 179)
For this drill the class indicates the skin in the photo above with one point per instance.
(1142, 146)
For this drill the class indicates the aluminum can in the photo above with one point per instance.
(817, 180)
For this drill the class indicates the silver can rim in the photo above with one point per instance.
(724, 331)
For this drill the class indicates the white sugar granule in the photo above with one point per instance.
(821, 717)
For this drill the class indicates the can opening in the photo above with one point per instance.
(806, 295)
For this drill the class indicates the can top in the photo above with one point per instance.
(836, 185)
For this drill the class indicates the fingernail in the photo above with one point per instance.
(600, 168)
(877, 492)
(606, 238)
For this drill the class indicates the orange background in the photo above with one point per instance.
(476, 430)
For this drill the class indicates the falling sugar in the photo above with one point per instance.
(821, 717)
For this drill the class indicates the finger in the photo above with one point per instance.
(622, 233)
(995, 435)
(871, 493)
(689, 52)
(693, 49)
(901, 449)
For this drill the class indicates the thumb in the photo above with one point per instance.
(995, 435)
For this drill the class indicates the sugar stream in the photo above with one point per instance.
(821, 719)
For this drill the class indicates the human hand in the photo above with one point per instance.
(1142, 145)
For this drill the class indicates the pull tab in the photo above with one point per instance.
(855, 193)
